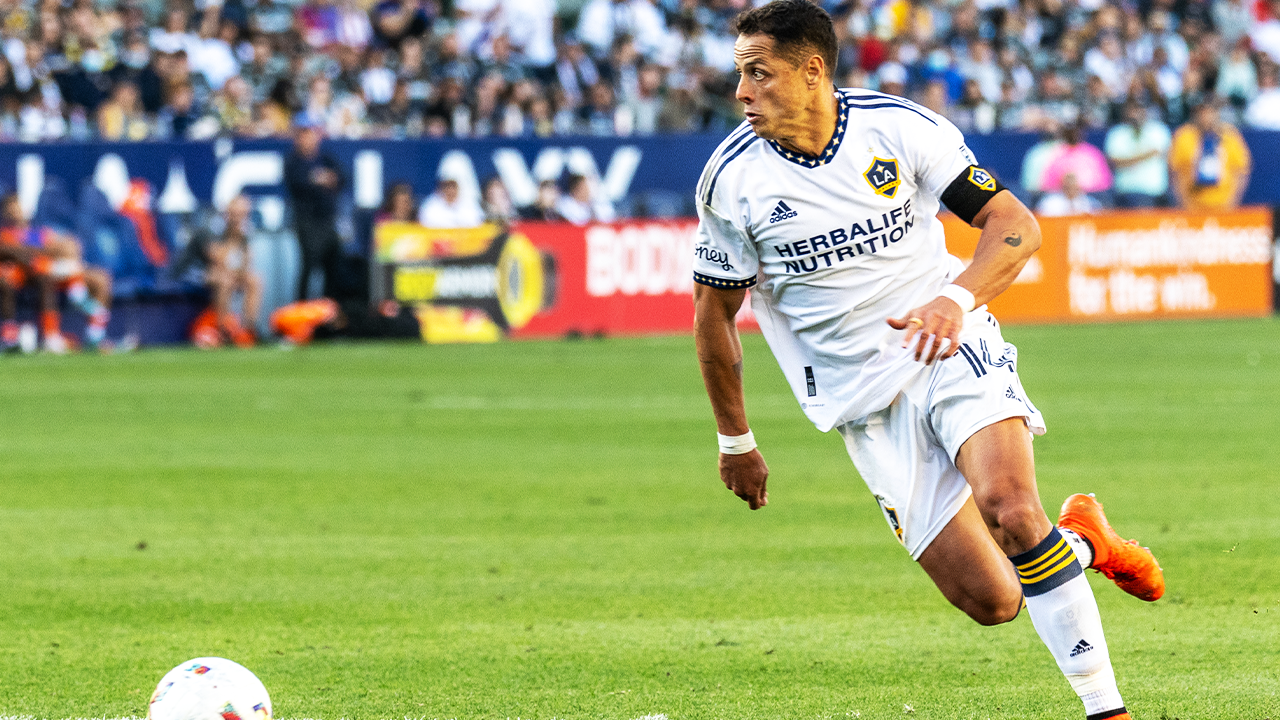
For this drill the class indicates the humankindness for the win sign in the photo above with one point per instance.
(1138, 264)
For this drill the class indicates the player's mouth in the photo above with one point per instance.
(752, 117)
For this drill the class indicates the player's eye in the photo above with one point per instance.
(757, 74)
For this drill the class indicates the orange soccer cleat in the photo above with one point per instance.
(1132, 567)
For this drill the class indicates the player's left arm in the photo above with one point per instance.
(1010, 236)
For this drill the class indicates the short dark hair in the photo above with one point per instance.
(798, 27)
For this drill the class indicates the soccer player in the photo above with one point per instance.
(824, 202)
(230, 271)
(56, 263)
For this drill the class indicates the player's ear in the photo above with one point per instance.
(815, 71)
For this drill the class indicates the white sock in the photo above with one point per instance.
(1065, 615)
(1082, 548)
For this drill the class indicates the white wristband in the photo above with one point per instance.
(962, 297)
(737, 444)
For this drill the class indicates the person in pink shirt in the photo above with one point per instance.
(1080, 158)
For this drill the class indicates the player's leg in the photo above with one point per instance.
(231, 323)
(51, 337)
(251, 288)
(1000, 467)
(928, 506)
(9, 329)
(221, 285)
(10, 276)
(331, 264)
(998, 463)
(971, 570)
(308, 255)
(96, 303)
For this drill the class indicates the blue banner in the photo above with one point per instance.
(183, 174)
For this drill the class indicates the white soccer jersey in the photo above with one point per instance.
(834, 245)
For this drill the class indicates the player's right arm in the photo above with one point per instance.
(720, 355)
(725, 264)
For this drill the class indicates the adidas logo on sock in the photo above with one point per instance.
(782, 212)
(1081, 648)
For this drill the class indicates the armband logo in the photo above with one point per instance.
(882, 176)
(982, 178)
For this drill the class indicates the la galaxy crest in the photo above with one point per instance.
(882, 176)
(982, 178)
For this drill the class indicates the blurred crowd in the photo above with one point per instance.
(156, 69)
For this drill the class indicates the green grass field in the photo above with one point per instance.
(537, 530)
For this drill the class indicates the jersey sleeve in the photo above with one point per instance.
(723, 256)
(941, 154)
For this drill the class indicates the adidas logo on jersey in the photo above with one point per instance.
(1081, 648)
(782, 212)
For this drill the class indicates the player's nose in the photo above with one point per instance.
(743, 92)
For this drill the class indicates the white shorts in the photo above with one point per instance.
(906, 452)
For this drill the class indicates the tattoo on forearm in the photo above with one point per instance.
(737, 369)
(1013, 239)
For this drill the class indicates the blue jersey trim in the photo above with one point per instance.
(722, 283)
(726, 146)
(886, 104)
(972, 357)
(711, 188)
(828, 153)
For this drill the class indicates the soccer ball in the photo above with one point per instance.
(210, 688)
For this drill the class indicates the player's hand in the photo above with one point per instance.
(931, 324)
(745, 475)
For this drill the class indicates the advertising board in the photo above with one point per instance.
(1131, 265)
(558, 280)
(540, 279)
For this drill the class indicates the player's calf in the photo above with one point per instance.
(971, 571)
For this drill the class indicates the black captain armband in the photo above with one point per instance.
(970, 192)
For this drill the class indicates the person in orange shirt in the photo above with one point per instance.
(55, 262)
(1209, 162)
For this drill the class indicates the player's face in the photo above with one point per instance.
(770, 88)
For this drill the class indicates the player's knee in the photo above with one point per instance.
(991, 603)
(1021, 518)
(995, 609)
(1010, 511)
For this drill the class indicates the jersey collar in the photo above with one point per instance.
(829, 152)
